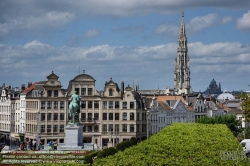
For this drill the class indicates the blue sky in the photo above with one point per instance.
(130, 41)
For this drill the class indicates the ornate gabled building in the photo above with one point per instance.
(182, 70)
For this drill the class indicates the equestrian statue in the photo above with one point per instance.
(74, 109)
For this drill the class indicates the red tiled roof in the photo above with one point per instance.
(165, 106)
(27, 90)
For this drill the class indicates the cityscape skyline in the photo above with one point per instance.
(134, 42)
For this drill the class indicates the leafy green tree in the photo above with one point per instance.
(245, 106)
(230, 120)
(133, 141)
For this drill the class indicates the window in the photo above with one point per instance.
(116, 116)
(132, 116)
(61, 116)
(96, 128)
(104, 127)
(42, 128)
(83, 92)
(96, 104)
(55, 128)
(144, 128)
(96, 116)
(83, 104)
(124, 128)
(124, 105)
(138, 116)
(104, 116)
(110, 127)
(42, 116)
(55, 93)
(89, 91)
(49, 104)
(116, 128)
(55, 116)
(90, 104)
(89, 128)
(77, 90)
(61, 104)
(55, 104)
(104, 105)
(89, 116)
(84, 129)
(83, 116)
(132, 105)
(42, 104)
(110, 92)
(48, 128)
(117, 105)
(110, 116)
(124, 116)
(110, 104)
(49, 116)
(49, 93)
(132, 128)
(61, 128)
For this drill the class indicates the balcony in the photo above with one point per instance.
(88, 120)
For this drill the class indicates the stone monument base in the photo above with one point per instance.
(110, 144)
(73, 137)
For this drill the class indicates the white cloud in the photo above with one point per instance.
(168, 29)
(202, 22)
(91, 33)
(243, 23)
(6, 27)
(227, 19)
(147, 64)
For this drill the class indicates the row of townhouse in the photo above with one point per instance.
(40, 111)
(163, 110)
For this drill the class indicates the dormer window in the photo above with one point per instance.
(49, 93)
(90, 91)
(55, 93)
(110, 92)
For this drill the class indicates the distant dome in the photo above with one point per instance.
(225, 95)
(212, 82)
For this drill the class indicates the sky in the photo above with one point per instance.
(128, 40)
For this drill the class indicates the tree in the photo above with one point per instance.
(245, 106)
(133, 141)
(230, 120)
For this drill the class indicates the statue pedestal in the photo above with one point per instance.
(110, 144)
(73, 137)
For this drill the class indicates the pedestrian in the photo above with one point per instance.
(50, 145)
(34, 144)
(55, 144)
(40, 146)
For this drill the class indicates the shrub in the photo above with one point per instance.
(88, 158)
(181, 144)
(120, 147)
(133, 141)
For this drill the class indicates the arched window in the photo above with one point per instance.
(198, 108)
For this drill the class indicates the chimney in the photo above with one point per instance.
(29, 84)
(122, 87)
(83, 71)
(23, 87)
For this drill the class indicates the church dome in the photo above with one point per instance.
(212, 82)
(225, 96)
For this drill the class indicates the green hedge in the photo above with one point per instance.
(88, 158)
(181, 144)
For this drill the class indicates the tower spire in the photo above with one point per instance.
(182, 71)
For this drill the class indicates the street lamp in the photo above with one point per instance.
(147, 121)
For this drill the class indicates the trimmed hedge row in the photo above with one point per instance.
(182, 144)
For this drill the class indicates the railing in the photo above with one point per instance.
(88, 120)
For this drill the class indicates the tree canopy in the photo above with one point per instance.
(230, 120)
(245, 106)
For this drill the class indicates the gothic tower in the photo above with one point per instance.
(182, 70)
